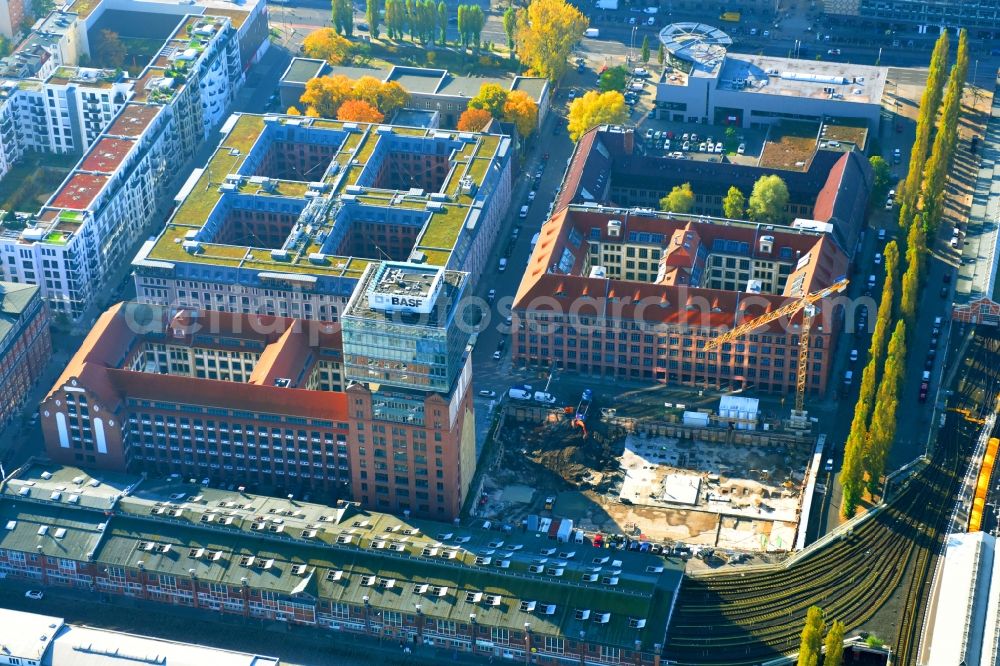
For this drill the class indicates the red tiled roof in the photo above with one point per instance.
(827, 197)
(95, 366)
(80, 191)
(230, 395)
(672, 302)
(106, 155)
(133, 120)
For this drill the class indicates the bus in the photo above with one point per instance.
(732, 17)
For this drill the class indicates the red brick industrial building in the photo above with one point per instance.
(253, 400)
(25, 345)
(637, 294)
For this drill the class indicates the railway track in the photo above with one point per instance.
(978, 387)
(735, 619)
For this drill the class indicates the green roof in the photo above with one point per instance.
(472, 159)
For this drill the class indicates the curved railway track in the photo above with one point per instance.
(737, 619)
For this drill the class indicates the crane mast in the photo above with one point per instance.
(808, 305)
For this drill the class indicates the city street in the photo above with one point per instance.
(618, 36)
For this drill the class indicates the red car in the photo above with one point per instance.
(922, 396)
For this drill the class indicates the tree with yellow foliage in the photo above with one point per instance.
(546, 32)
(474, 120)
(357, 110)
(386, 97)
(325, 94)
(521, 110)
(292, 111)
(326, 44)
(595, 109)
(491, 98)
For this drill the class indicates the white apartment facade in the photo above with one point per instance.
(134, 133)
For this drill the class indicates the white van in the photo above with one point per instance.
(542, 396)
(519, 394)
(592, 33)
(524, 212)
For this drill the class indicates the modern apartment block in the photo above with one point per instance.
(384, 417)
(132, 133)
(25, 345)
(290, 211)
(637, 294)
(520, 595)
(921, 17)
(430, 89)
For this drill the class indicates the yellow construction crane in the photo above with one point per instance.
(807, 305)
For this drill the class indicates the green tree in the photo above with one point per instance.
(109, 51)
(510, 26)
(373, 17)
(881, 171)
(442, 18)
(929, 101)
(883, 428)
(390, 18)
(734, 206)
(679, 200)
(644, 52)
(547, 31)
(593, 109)
(768, 199)
(812, 637)
(411, 19)
(343, 17)
(613, 78)
(834, 644)
(463, 26)
(478, 23)
(937, 166)
(661, 54)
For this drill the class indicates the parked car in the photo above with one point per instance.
(497, 354)
(531, 195)
(742, 149)
(488, 394)
(34, 594)
(833, 52)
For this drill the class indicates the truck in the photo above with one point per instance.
(565, 530)
(519, 394)
(607, 4)
(593, 33)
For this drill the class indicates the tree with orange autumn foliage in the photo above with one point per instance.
(360, 111)
(521, 110)
(474, 120)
